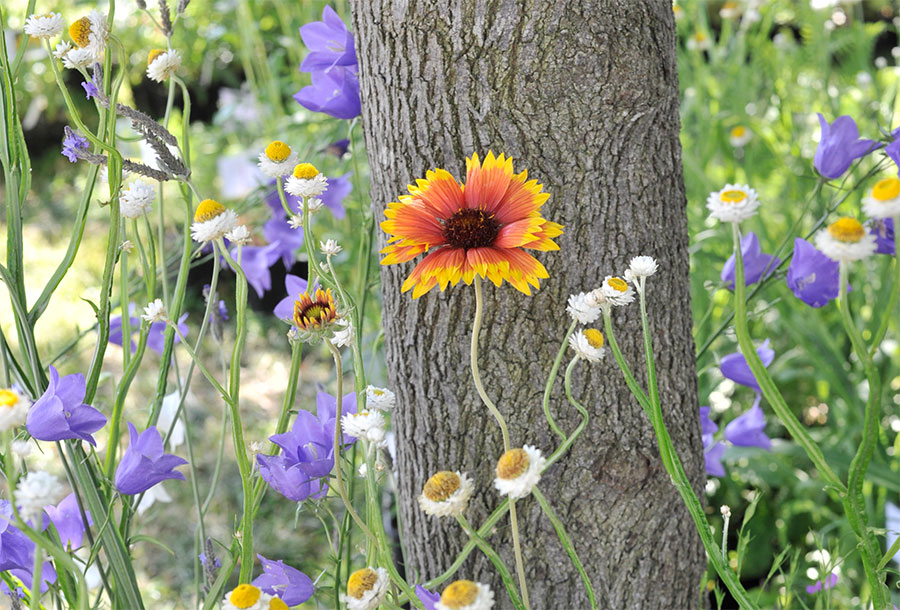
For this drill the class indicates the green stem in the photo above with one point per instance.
(476, 330)
(895, 293)
(552, 379)
(585, 416)
(495, 558)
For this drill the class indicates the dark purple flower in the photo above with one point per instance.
(828, 583)
(291, 585)
(60, 414)
(336, 93)
(307, 451)
(755, 262)
(812, 276)
(712, 451)
(72, 144)
(748, 429)
(144, 463)
(734, 366)
(294, 285)
(334, 194)
(427, 597)
(90, 89)
(330, 43)
(339, 148)
(67, 520)
(204, 561)
(17, 551)
(839, 146)
(883, 230)
(256, 261)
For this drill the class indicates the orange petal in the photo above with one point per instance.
(519, 233)
(486, 183)
(440, 192)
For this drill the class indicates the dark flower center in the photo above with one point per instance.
(471, 228)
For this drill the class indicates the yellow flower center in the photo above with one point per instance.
(153, 54)
(512, 464)
(594, 337)
(304, 171)
(738, 132)
(80, 31)
(360, 582)
(730, 5)
(887, 189)
(700, 37)
(314, 311)
(732, 196)
(278, 151)
(8, 398)
(459, 594)
(378, 392)
(847, 230)
(617, 284)
(244, 596)
(207, 210)
(276, 604)
(441, 486)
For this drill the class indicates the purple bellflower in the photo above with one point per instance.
(812, 276)
(826, 584)
(839, 146)
(17, 551)
(748, 429)
(734, 366)
(294, 285)
(329, 41)
(755, 262)
(291, 585)
(144, 463)
(72, 144)
(712, 451)
(338, 148)
(333, 67)
(883, 230)
(427, 597)
(60, 414)
(307, 451)
(67, 520)
(277, 229)
(155, 336)
(256, 261)
(336, 93)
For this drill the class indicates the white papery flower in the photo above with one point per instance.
(13, 408)
(212, 220)
(846, 240)
(295, 221)
(582, 308)
(343, 333)
(884, 200)
(466, 595)
(739, 136)
(642, 266)
(304, 183)
(518, 471)
(21, 448)
(734, 203)
(615, 291)
(246, 597)
(162, 64)
(380, 399)
(167, 416)
(36, 490)
(369, 425)
(277, 160)
(330, 247)
(92, 33)
(314, 204)
(136, 199)
(587, 344)
(366, 589)
(155, 312)
(77, 58)
(699, 41)
(239, 236)
(446, 494)
(45, 26)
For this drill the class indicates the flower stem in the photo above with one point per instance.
(552, 379)
(895, 293)
(495, 558)
(476, 330)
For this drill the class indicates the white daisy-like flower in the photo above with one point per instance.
(369, 425)
(846, 240)
(91, 32)
(62, 48)
(699, 41)
(45, 26)
(239, 236)
(78, 58)
(731, 10)
(162, 64)
(314, 204)
(330, 247)
(642, 266)
(884, 200)
(587, 344)
(466, 595)
(136, 199)
(446, 494)
(212, 220)
(615, 291)
(246, 597)
(518, 471)
(295, 221)
(306, 181)
(13, 408)
(343, 333)
(366, 589)
(20, 448)
(155, 312)
(583, 309)
(36, 490)
(739, 136)
(734, 203)
(380, 399)
(277, 160)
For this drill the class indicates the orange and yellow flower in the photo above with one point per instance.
(479, 228)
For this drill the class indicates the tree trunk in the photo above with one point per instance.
(584, 94)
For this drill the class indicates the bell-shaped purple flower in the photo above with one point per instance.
(144, 463)
(734, 366)
(60, 414)
(427, 597)
(17, 551)
(712, 451)
(839, 146)
(338, 148)
(757, 266)
(256, 262)
(748, 429)
(294, 285)
(812, 276)
(334, 194)
(330, 43)
(336, 93)
(67, 520)
(155, 335)
(883, 230)
(291, 585)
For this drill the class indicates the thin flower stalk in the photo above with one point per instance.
(895, 293)
(585, 416)
(495, 559)
(548, 389)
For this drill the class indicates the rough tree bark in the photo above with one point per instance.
(584, 94)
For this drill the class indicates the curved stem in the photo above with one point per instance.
(585, 416)
(552, 379)
(476, 330)
(495, 558)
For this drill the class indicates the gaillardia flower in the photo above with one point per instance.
(466, 595)
(315, 311)
(480, 228)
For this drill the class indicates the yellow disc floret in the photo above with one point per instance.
(207, 210)
(734, 196)
(8, 398)
(244, 596)
(738, 132)
(305, 171)
(316, 311)
(594, 337)
(617, 284)
(153, 54)
(887, 189)
(847, 230)
(459, 594)
(360, 582)
(278, 151)
(277, 604)
(512, 464)
(80, 31)
(441, 486)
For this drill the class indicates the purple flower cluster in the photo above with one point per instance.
(332, 65)
(826, 584)
(59, 413)
(72, 144)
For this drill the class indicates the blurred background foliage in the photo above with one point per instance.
(769, 67)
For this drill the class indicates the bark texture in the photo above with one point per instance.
(583, 94)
